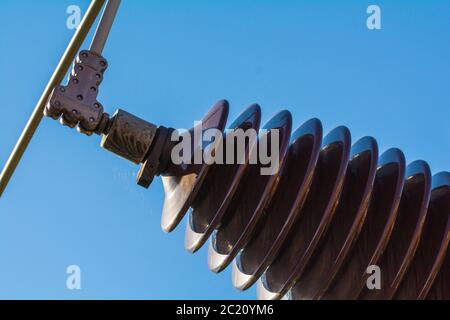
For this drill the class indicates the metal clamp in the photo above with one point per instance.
(76, 103)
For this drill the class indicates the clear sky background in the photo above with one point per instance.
(71, 202)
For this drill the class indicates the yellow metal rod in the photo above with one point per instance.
(57, 77)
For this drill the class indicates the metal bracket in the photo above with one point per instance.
(76, 103)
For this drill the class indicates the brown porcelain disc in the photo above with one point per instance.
(441, 287)
(407, 230)
(376, 230)
(433, 247)
(346, 225)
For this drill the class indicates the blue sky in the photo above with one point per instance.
(71, 202)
